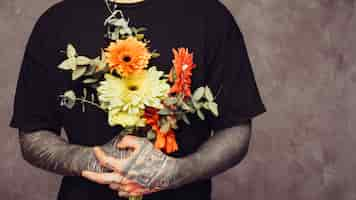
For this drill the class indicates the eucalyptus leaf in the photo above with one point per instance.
(141, 29)
(206, 105)
(80, 71)
(68, 99)
(151, 135)
(140, 36)
(155, 55)
(186, 107)
(70, 94)
(185, 119)
(85, 93)
(165, 126)
(90, 70)
(208, 94)
(170, 101)
(198, 93)
(196, 104)
(82, 60)
(134, 30)
(68, 64)
(71, 52)
(164, 111)
(201, 115)
(214, 108)
(103, 57)
(83, 107)
(90, 80)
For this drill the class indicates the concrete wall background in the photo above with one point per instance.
(303, 52)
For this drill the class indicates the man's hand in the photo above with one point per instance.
(148, 170)
(145, 170)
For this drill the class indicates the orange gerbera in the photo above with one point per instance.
(182, 71)
(164, 141)
(127, 56)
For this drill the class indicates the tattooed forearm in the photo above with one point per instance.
(151, 168)
(155, 170)
(52, 153)
(221, 152)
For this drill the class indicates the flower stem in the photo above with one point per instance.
(135, 197)
(88, 102)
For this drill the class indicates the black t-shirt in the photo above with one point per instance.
(206, 27)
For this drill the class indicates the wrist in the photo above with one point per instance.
(182, 172)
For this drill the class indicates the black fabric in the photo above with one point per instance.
(206, 27)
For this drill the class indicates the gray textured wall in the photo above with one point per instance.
(304, 57)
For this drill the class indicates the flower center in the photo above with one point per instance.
(126, 58)
(133, 87)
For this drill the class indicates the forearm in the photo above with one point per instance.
(221, 152)
(52, 153)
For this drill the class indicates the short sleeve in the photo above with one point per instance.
(35, 102)
(231, 76)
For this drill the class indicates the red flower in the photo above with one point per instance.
(164, 141)
(182, 71)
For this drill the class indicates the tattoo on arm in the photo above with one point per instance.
(151, 168)
(155, 170)
(221, 152)
(53, 153)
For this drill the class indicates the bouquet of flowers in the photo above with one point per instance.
(135, 95)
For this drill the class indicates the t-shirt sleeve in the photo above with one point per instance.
(231, 75)
(35, 101)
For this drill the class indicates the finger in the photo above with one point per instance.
(130, 187)
(108, 161)
(129, 141)
(115, 186)
(103, 178)
(123, 194)
(141, 191)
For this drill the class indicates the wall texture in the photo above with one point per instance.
(304, 56)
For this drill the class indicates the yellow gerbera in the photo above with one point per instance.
(132, 94)
(127, 56)
(116, 117)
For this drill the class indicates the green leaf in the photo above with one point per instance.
(185, 119)
(71, 52)
(196, 104)
(165, 126)
(90, 70)
(170, 101)
(208, 94)
(164, 111)
(90, 80)
(151, 135)
(155, 55)
(140, 36)
(206, 105)
(80, 71)
(201, 115)
(82, 60)
(83, 107)
(103, 56)
(70, 94)
(68, 64)
(214, 108)
(186, 107)
(198, 93)
(140, 29)
(85, 93)
(68, 99)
